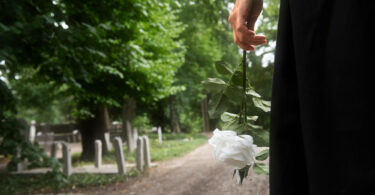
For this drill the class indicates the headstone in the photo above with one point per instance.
(116, 125)
(131, 145)
(160, 135)
(107, 140)
(119, 155)
(75, 135)
(67, 159)
(146, 151)
(54, 149)
(21, 165)
(98, 153)
(135, 134)
(140, 156)
(32, 131)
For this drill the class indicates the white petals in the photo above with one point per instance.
(233, 150)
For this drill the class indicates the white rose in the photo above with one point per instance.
(233, 150)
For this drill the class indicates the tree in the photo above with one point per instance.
(101, 51)
(208, 40)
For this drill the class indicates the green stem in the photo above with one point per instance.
(244, 84)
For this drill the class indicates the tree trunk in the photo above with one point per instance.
(128, 115)
(93, 129)
(175, 123)
(205, 116)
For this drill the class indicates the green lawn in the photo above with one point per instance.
(174, 145)
(28, 184)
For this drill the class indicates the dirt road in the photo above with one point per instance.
(195, 173)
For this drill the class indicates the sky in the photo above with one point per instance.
(2, 62)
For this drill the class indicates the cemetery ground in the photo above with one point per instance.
(196, 173)
(173, 145)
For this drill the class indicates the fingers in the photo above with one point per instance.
(246, 47)
(246, 38)
(242, 36)
(255, 39)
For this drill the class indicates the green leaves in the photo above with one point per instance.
(214, 85)
(262, 104)
(263, 155)
(261, 137)
(217, 105)
(231, 122)
(231, 91)
(234, 93)
(228, 117)
(261, 168)
(253, 93)
(237, 78)
(241, 174)
(258, 168)
(224, 68)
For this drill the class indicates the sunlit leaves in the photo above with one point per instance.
(226, 116)
(262, 104)
(232, 122)
(252, 92)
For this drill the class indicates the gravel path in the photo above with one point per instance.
(195, 173)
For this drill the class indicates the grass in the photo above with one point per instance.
(173, 145)
(26, 184)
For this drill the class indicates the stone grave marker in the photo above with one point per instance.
(160, 135)
(75, 135)
(107, 140)
(135, 134)
(119, 155)
(54, 149)
(146, 152)
(140, 156)
(98, 153)
(67, 159)
(21, 166)
(32, 131)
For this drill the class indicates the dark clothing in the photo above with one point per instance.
(322, 137)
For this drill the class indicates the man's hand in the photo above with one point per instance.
(246, 12)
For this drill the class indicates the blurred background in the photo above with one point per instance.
(79, 71)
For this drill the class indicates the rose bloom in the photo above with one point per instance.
(233, 150)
